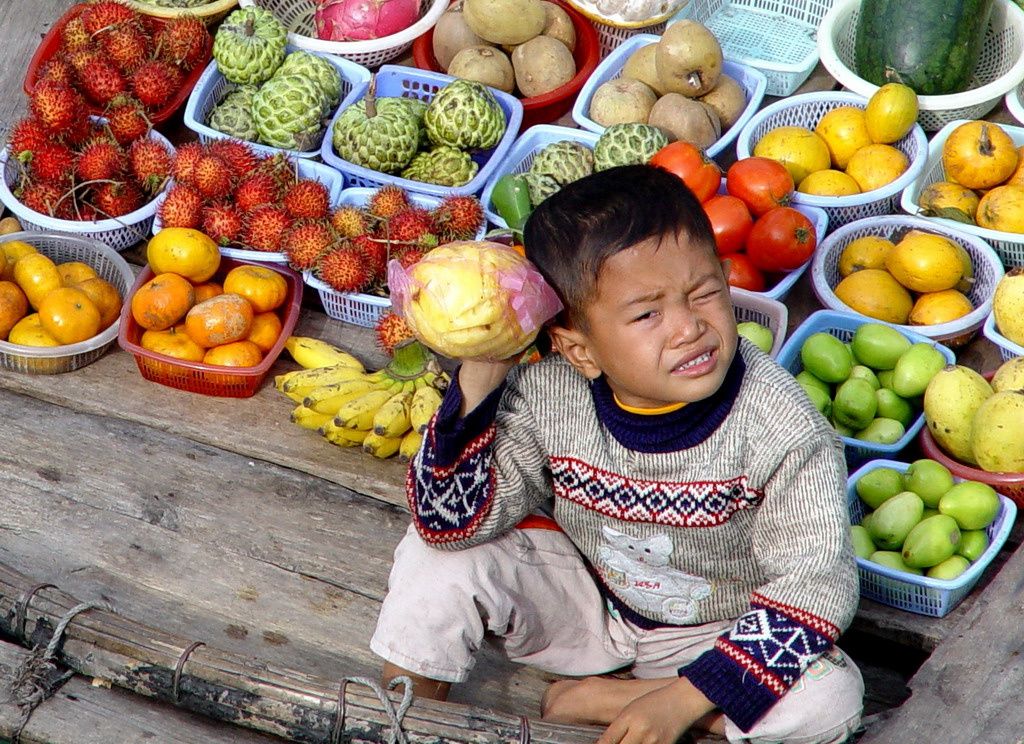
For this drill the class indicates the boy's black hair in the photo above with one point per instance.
(572, 233)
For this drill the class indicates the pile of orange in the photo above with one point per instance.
(186, 315)
(43, 303)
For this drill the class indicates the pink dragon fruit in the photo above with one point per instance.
(356, 20)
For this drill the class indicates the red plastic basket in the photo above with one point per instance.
(210, 379)
(553, 104)
(51, 43)
(1010, 485)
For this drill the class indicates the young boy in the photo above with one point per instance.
(699, 533)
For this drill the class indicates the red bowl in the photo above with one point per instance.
(553, 104)
(1010, 485)
(51, 43)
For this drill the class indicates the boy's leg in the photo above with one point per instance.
(528, 587)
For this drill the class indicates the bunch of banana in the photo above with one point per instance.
(385, 411)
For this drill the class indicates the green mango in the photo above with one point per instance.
(865, 521)
(892, 406)
(878, 345)
(949, 569)
(929, 479)
(881, 431)
(931, 541)
(915, 369)
(842, 429)
(892, 521)
(820, 399)
(759, 335)
(826, 357)
(865, 373)
(876, 486)
(972, 544)
(885, 378)
(806, 379)
(929, 512)
(892, 559)
(862, 544)
(972, 504)
(855, 403)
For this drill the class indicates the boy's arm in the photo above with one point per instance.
(802, 541)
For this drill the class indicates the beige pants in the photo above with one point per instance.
(531, 589)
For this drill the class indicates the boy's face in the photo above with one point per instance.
(661, 324)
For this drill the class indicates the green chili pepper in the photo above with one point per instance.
(511, 199)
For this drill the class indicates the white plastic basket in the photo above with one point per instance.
(359, 308)
(108, 265)
(297, 16)
(999, 69)
(988, 269)
(805, 110)
(120, 233)
(332, 179)
(212, 85)
(772, 314)
(751, 80)
(1007, 348)
(1008, 246)
(776, 37)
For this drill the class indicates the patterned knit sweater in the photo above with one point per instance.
(732, 507)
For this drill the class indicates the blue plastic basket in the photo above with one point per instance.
(1007, 348)
(212, 85)
(752, 81)
(332, 179)
(920, 594)
(806, 110)
(842, 326)
(410, 82)
(778, 37)
(988, 269)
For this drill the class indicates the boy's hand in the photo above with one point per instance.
(658, 717)
(478, 379)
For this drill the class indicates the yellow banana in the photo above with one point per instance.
(379, 446)
(314, 352)
(308, 418)
(410, 445)
(328, 398)
(341, 436)
(392, 418)
(425, 402)
(309, 379)
(281, 379)
(358, 413)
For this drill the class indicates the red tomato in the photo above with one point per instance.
(783, 239)
(762, 184)
(688, 162)
(743, 273)
(730, 220)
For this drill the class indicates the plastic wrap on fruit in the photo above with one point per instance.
(473, 299)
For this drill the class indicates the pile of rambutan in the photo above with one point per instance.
(388, 226)
(110, 50)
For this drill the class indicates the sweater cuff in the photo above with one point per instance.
(730, 687)
(452, 435)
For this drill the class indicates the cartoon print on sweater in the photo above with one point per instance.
(637, 570)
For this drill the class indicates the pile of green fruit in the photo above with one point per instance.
(922, 521)
(871, 388)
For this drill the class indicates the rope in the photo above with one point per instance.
(395, 734)
(21, 609)
(37, 677)
(175, 692)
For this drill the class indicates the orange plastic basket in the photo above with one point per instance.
(51, 43)
(210, 379)
(550, 106)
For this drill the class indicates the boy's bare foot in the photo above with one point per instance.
(594, 700)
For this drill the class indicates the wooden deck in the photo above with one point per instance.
(217, 520)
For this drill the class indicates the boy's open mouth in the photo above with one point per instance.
(695, 363)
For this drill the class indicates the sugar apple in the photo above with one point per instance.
(558, 164)
(233, 115)
(287, 110)
(381, 134)
(250, 44)
(627, 144)
(442, 165)
(319, 69)
(465, 114)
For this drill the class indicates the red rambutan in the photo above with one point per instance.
(182, 207)
(306, 199)
(56, 106)
(212, 177)
(52, 161)
(409, 256)
(73, 36)
(101, 159)
(241, 158)
(408, 226)
(182, 41)
(59, 69)
(280, 168)
(255, 190)
(349, 221)
(27, 135)
(127, 46)
(84, 56)
(265, 227)
(150, 163)
(377, 253)
(391, 330)
(127, 120)
(185, 159)
(387, 201)
(155, 82)
(344, 269)
(46, 198)
(222, 222)
(459, 217)
(101, 81)
(304, 243)
(106, 15)
(118, 198)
